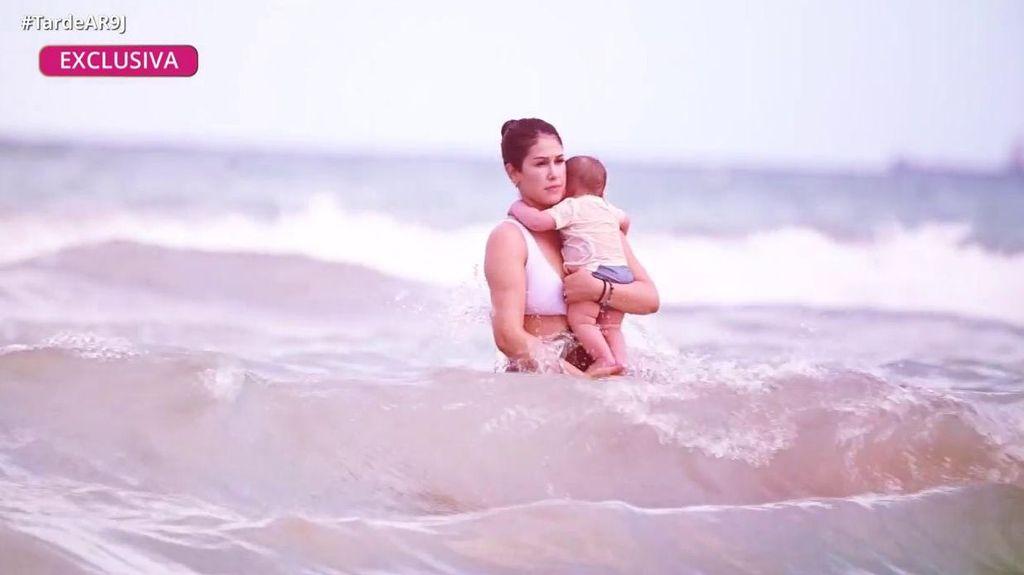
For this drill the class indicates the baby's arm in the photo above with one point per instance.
(532, 218)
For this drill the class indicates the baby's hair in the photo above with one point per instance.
(587, 173)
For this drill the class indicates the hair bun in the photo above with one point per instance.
(507, 126)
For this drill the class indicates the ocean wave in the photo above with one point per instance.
(105, 282)
(932, 268)
(117, 456)
(75, 527)
(452, 440)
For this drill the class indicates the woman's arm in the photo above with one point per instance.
(639, 297)
(505, 270)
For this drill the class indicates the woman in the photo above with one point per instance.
(524, 268)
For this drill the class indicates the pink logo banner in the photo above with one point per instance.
(180, 60)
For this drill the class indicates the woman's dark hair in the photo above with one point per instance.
(518, 136)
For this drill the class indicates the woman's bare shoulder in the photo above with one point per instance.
(505, 238)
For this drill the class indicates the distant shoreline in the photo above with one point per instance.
(899, 166)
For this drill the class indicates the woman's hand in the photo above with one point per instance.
(581, 285)
(570, 369)
(639, 297)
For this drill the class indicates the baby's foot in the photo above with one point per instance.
(604, 368)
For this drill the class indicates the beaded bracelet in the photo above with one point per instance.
(606, 299)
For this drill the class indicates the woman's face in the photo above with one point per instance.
(541, 181)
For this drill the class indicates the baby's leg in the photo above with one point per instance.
(610, 322)
(583, 321)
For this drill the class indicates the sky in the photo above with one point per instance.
(823, 83)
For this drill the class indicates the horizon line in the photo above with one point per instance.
(903, 163)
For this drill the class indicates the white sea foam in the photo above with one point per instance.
(927, 269)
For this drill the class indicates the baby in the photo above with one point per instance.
(590, 239)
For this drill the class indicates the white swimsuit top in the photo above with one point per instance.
(543, 284)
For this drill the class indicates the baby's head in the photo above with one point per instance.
(584, 176)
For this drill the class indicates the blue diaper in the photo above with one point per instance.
(614, 274)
